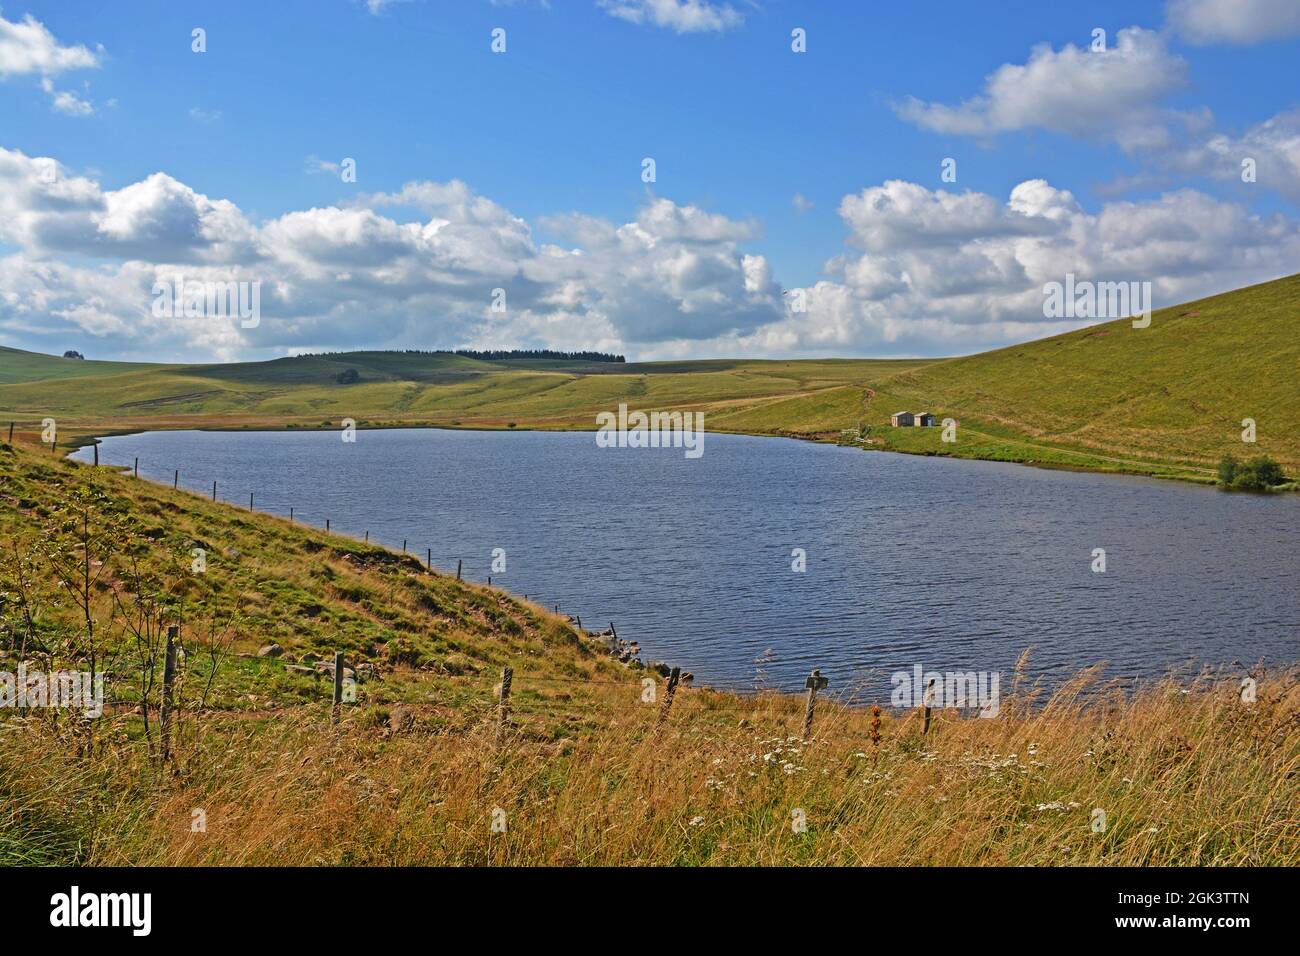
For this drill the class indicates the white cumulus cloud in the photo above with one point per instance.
(682, 16)
(1234, 21)
(1112, 94)
(350, 275)
(924, 271)
(29, 47)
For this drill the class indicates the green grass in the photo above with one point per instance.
(1167, 400)
(17, 366)
(1169, 397)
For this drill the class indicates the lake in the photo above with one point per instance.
(953, 565)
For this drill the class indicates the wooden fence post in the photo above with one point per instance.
(250, 501)
(428, 558)
(290, 514)
(403, 546)
(214, 491)
(367, 537)
(176, 479)
(669, 693)
(327, 525)
(503, 717)
(458, 569)
(96, 454)
(137, 468)
(169, 679)
(11, 433)
(814, 683)
(927, 700)
(338, 687)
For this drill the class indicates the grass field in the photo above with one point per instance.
(1168, 400)
(1182, 773)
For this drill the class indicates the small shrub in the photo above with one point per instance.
(1228, 466)
(1257, 474)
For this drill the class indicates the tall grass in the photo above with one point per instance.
(1184, 774)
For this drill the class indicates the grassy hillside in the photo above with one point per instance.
(1166, 400)
(19, 366)
(1172, 395)
(585, 773)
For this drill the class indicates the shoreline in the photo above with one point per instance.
(597, 638)
(88, 438)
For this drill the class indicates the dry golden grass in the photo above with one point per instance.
(1186, 775)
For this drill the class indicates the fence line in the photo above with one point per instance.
(503, 690)
(815, 681)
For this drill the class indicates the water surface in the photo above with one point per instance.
(955, 565)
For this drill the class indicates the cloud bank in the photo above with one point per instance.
(924, 271)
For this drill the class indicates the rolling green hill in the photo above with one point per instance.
(1174, 393)
(1167, 400)
(19, 366)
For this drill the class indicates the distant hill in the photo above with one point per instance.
(1165, 400)
(19, 366)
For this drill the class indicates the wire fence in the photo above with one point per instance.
(847, 696)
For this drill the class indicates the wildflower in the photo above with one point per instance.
(697, 821)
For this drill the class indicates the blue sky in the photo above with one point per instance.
(557, 127)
